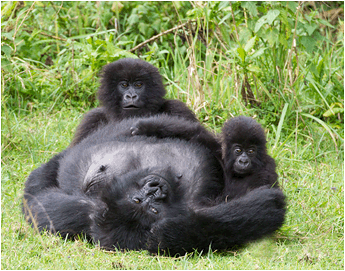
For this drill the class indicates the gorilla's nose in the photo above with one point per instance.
(244, 162)
(131, 97)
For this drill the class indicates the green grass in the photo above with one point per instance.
(311, 238)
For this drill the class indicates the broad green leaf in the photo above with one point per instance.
(308, 43)
(272, 36)
(292, 5)
(310, 28)
(6, 49)
(225, 18)
(143, 28)
(283, 40)
(242, 53)
(260, 23)
(110, 48)
(272, 15)
(258, 53)
(254, 69)
(250, 44)
(251, 7)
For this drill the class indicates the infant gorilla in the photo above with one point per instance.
(125, 189)
(246, 162)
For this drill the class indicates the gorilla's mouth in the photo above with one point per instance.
(242, 170)
(131, 107)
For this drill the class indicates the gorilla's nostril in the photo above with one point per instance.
(153, 183)
(244, 162)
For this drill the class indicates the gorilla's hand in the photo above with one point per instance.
(149, 127)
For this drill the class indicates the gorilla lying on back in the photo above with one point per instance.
(130, 88)
(134, 191)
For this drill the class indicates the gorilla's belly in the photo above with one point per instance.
(128, 156)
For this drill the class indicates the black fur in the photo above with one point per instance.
(138, 192)
(251, 167)
(141, 95)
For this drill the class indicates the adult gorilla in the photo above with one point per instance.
(135, 191)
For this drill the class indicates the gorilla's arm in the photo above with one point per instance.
(176, 127)
(91, 121)
(179, 109)
(223, 226)
(47, 206)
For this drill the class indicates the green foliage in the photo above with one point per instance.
(275, 50)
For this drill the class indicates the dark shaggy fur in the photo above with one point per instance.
(247, 164)
(137, 192)
(129, 88)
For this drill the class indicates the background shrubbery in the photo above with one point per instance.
(280, 62)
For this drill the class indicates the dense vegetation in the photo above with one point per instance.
(280, 62)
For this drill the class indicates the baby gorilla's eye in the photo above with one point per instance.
(124, 84)
(154, 210)
(138, 85)
(136, 200)
(238, 150)
(250, 151)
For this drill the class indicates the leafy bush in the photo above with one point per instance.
(227, 58)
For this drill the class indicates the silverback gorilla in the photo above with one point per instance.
(128, 190)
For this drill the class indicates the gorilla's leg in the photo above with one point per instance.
(46, 206)
(56, 211)
(223, 226)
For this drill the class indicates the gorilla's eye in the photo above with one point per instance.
(250, 151)
(154, 210)
(124, 84)
(136, 200)
(238, 151)
(138, 85)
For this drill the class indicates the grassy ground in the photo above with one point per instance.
(312, 237)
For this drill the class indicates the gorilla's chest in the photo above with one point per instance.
(129, 156)
(188, 162)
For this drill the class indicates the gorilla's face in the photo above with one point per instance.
(134, 203)
(141, 197)
(243, 157)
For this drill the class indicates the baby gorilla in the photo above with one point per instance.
(247, 164)
(129, 88)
